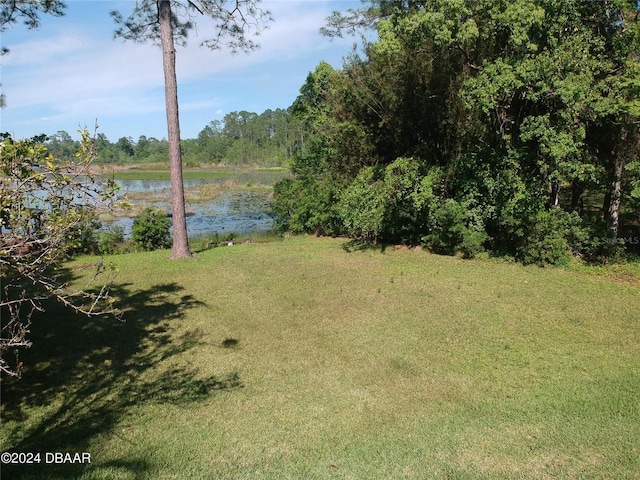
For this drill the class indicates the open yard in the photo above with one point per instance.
(295, 359)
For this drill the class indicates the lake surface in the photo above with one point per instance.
(238, 210)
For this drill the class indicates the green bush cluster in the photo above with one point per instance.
(112, 241)
(480, 205)
(82, 237)
(553, 236)
(151, 230)
(307, 205)
(389, 203)
(453, 230)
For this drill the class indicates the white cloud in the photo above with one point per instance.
(293, 34)
(76, 72)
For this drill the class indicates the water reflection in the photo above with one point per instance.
(145, 186)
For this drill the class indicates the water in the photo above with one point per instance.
(238, 211)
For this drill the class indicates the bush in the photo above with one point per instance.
(599, 245)
(111, 241)
(392, 205)
(82, 237)
(454, 228)
(410, 199)
(305, 205)
(553, 237)
(362, 206)
(151, 230)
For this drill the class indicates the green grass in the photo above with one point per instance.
(298, 360)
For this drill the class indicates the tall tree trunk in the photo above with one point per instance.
(614, 197)
(577, 194)
(627, 149)
(554, 194)
(180, 247)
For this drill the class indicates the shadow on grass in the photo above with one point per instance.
(82, 375)
(359, 245)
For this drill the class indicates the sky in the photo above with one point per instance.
(71, 73)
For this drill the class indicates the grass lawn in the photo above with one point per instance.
(297, 360)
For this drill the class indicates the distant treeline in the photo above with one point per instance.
(270, 139)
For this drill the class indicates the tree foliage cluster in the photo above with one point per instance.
(471, 126)
(47, 213)
(241, 138)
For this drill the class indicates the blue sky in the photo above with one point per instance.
(71, 71)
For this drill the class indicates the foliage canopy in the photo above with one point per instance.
(518, 107)
(46, 210)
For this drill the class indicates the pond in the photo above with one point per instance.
(236, 203)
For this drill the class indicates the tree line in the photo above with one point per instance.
(270, 138)
(507, 126)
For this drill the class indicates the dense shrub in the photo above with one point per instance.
(453, 229)
(554, 235)
(82, 237)
(391, 204)
(362, 206)
(485, 201)
(410, 199)
(151, 230)
(305, 205)
(599, 246)
(111, 241)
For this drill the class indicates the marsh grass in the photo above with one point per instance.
(216, 182)
(296, 359)
(161, 172)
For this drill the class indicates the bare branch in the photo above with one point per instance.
(43, 205)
